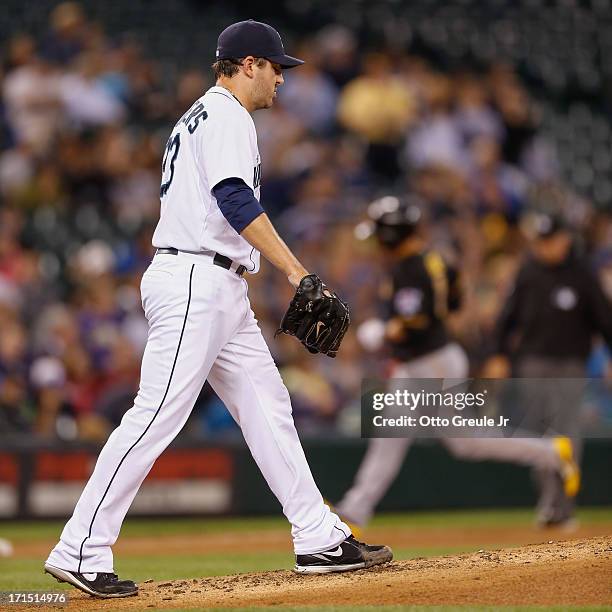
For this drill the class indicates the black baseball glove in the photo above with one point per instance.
(316, 316)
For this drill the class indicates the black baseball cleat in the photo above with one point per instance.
(349, 555)
(105, 584)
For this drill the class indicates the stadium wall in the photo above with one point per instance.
(45, 480)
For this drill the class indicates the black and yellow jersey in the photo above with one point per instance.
(423, 289)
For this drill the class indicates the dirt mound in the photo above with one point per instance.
(560, 573)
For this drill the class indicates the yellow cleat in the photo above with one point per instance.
(356, 530)
(570, 472)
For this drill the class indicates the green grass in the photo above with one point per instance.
(27, 573)
(20, 531)
(477, 518)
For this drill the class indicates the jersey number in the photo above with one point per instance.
(191, 119)
(174, 144)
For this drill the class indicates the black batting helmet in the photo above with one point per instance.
(391, 219)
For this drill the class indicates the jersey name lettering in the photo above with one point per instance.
(192, 117)
(257, 176)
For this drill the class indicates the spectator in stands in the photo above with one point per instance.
(32, 100)
(379, 107)
(498, 186)
(338, 45)
(67, 35)
(474, 115)
(13, 377)
(435, 139)
(48, 378)
(311, 96)
(13, 400)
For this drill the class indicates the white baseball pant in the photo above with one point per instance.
(201, 326)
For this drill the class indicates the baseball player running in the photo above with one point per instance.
(211, 231)
(424, 290)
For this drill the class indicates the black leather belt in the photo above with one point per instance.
(218, 259)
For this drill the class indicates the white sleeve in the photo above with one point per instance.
(225, 148)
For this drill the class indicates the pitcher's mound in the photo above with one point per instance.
(568, 573)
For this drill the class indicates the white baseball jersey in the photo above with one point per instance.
(214, 140)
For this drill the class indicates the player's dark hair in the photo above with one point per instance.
(229, 67)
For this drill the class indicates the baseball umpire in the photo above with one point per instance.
(201, 327)
(424, 290)
(545, 331)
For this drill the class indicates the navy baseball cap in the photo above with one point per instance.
(254, 38)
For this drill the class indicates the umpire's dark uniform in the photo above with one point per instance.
(547, 326)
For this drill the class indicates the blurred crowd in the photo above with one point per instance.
(83, 119)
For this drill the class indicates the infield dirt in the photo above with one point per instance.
(565, 573)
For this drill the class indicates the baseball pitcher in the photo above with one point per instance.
(211, 231)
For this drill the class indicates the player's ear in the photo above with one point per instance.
(247, 64)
